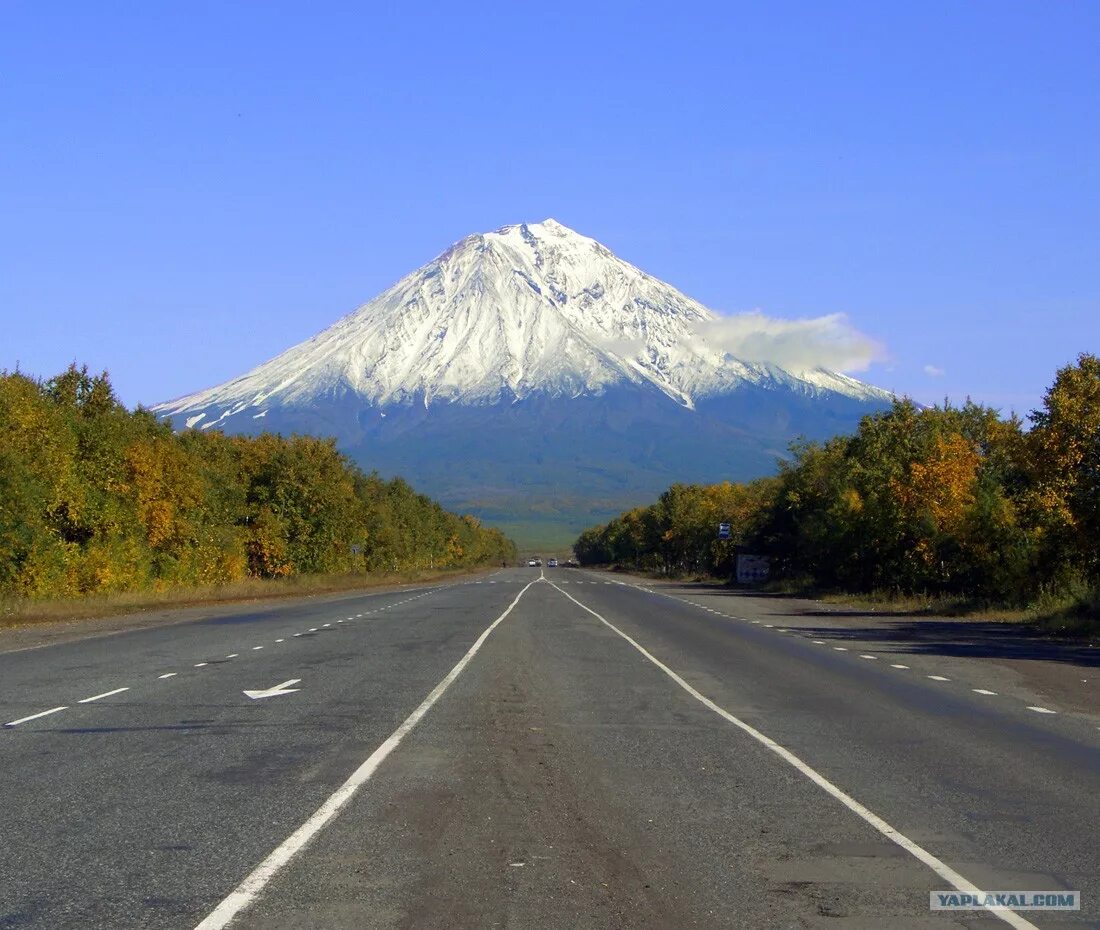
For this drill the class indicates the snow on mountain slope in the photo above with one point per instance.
(500, 316)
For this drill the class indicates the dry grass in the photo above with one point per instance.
(1074, 615)
(925, 605)
(1069, 616)
(15, 613)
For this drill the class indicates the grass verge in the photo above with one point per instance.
(1074, 616)
(23, 612)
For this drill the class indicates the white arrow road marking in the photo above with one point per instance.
(284, 688)
(244, 894)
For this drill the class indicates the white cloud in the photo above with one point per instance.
(933, 371)
(798, 345)
(622, 346)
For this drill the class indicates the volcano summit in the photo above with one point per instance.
(530, 376)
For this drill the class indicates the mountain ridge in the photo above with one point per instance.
(518, 359)
(528, 307)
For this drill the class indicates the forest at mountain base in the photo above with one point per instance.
(945, 500)
(96, 498)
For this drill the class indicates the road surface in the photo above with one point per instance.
(529, 749)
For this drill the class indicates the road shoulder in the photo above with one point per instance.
(47, 633)
(1003, 657)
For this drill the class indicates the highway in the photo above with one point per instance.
(531, 748)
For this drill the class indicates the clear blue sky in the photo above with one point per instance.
(186, 189)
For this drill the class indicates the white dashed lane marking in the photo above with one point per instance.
(166, 675)
(819, 642)
(105, 694)
(41, 713)
(957, 880)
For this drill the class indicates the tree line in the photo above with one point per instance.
(943, 500)
(98, 498)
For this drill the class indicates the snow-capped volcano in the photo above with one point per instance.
(530, 375)
(529, 308)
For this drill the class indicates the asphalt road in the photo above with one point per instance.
(582, 751)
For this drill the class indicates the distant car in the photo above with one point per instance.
(553, 563)
(533, 563)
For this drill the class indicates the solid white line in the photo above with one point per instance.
(1042, 710)
(103, 695)
(245, 893)
(42, 713)
(944, 871)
